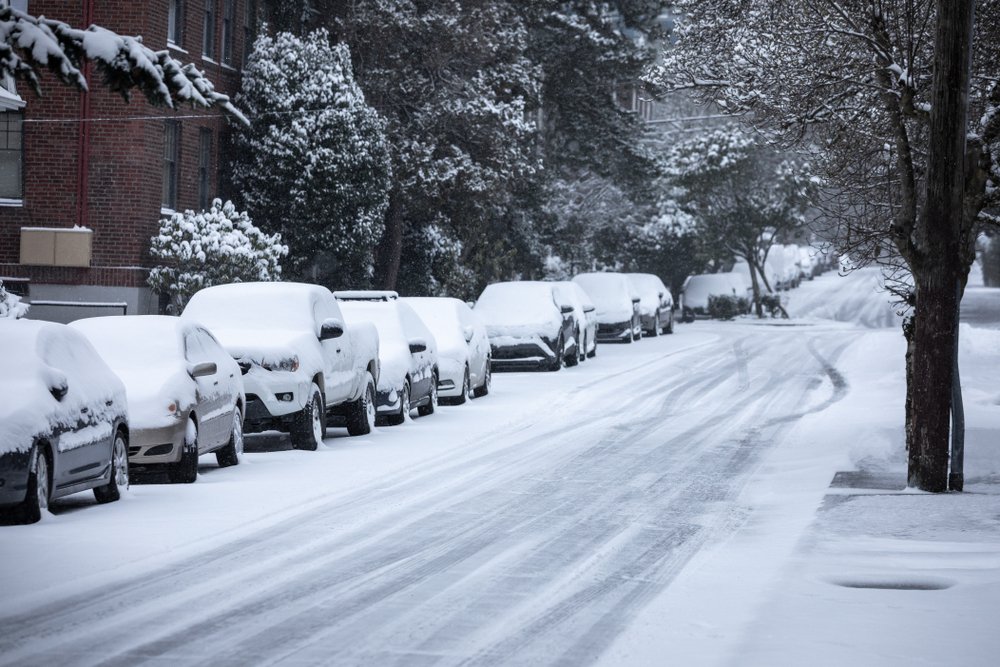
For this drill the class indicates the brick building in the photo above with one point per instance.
(85, 178)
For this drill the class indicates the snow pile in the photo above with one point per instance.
(611, 294)
(10, 305)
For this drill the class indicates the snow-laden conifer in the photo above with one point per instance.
(313, 164)
(213, 247)
(11, 305)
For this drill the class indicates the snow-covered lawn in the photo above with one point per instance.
(669, 501)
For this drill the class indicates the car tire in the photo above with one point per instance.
(484, 388)
(111, 491)
(669, 329)
(557, 362)
(573, 359)
(36, 500)
(656, 326)
(309, 425)
(361, 413)
(185, 471)
(230, 454)
(430, 406)
(404, 407)
(466, 390)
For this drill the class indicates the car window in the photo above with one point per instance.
(195, 350)
(413, 325)
(76, 359)
(213, 350)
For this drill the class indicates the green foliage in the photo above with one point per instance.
(726, 307)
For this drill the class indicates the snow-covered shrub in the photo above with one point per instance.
(726, 307)
(10, 304)
(213, 247)
(314, 163)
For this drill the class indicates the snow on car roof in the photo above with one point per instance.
(440, 315)
(382, 314)
(604, 289)
(259, 305)
(365, 295)
(517, 302)
(127, 340)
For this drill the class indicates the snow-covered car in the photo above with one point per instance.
(303, 367)
(656, 303)
(63, 419)
(463, 347)
(527, 326)
(185, 393)
(407, 356)
(366, 295)
(776, 269)
(793, 260)
(697, 289)
(617, 305)
(806, 262)
(584, 313)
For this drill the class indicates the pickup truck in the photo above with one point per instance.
(303, 367)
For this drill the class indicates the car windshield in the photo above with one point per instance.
(603, 289)
(441, 318)
(133, 342)
(516, 302)
(380, 313)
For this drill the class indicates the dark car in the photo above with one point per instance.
(528, 326)
(656, 304)
(63, 420)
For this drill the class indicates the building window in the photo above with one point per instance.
(249, 15)
(175, 22)
(208, 41)
(204, 161)
(171, 148)
(11, 152)
(228, 23)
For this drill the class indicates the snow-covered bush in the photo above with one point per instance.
(314, 163)
(10, 304)
(220, 245)
(726, 307)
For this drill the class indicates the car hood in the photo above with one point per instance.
(151, 389)
(271, 346)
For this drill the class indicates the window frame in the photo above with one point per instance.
(228, 30)
(205, 140)
(12, 198)
(175, 36)
(208, 43)
(171, 164)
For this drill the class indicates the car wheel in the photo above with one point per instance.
(432, 403)
(574, 359)
(231, 453)
(656, 325)
(404, 407)
(309, 427)
(361, 416)
(185, 471)
(487, 384)
(119, 472)
(669, 329)
(36, 500)
(557, 362)
(466, 389)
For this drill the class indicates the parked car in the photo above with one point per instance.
(302, 366)
(807, 262)
(407, 356)
(617, 304)
(63, 420)
(698, 288)
(463, 347)
(527, 326)
(584, 313)
(656, 303)
(185, 393)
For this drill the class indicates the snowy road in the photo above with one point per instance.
(532, 536)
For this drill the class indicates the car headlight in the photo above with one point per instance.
(174, 409)
(290, 364)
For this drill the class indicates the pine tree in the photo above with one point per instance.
(314, 164)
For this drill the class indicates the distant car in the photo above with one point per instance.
(185, 393)
(585, 314)
(63, 420)
(407, 357)
(698, 288)
(741, 268)
(302, 365)
(807, 263)
(527, 326)
(618, 318)
(656, 303)
(463, 347)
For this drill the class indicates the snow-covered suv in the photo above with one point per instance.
(301, 364)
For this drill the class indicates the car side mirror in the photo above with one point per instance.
(566, 310)
(636, 299)
(418, 345)
(331, 328)
(470, 304)
(203, 369)
(468, 332)
(59, 391)
(589, 309)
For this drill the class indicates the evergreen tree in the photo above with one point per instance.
(314, 163)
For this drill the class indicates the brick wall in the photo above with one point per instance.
(124, 144)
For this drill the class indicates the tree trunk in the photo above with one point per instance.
(390, 249)
(756, 290)
(939, 236)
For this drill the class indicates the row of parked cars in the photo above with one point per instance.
(84, 406)
(785, 268)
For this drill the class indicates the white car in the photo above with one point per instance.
(301, 364)
(585, 314)
(63, 420)
(527, 325)
(185, 393)
(463, 347)
(617, 305)
(697, 289)
(407, 356)
(656, 303)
